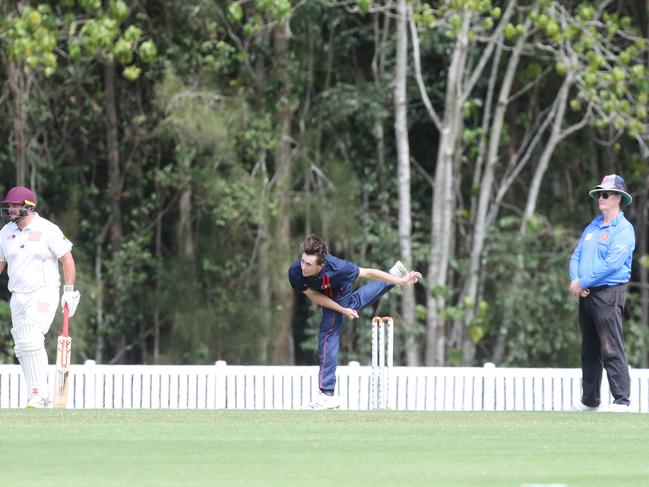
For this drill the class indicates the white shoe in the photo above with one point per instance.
(617, 408)
(398, 270)
(324, 402)
(39, 402)
(580, 406)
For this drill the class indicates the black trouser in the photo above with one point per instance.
(602, 344)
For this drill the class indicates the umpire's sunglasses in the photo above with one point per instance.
(605, 194)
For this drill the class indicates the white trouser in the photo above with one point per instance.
(31, 317)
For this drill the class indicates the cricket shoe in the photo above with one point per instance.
(399, 270)
(39, 402)
(323, 402)
(581, 407)
(617, 408)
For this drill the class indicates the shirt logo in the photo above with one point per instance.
(326, 286)
(589, 236)
(604, 236)
(35, 236)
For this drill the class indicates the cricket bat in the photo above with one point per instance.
(63, 351)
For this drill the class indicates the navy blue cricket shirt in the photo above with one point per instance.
(335, 280)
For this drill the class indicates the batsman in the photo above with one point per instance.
(31, 248)
(327, 281)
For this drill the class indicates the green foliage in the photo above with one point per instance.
(32, 37)
(644, 261)
(279, 8)
(471, 107)
(132, 73)
(481, 15)
(201, 121)
(211, 322)
(606, 56)
(118, 10)
(264, 11)
(148, 51)
(479, 325)
(35, 35)
(636, 332)
(235, 12)
(6, 340)
(234, 199)
(198, 119)
(443, 292)
(364, 5)
(532, 293)
(91, 6)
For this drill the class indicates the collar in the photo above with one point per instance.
(600, 220)
(31, 223)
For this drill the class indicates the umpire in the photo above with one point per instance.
(600, 267)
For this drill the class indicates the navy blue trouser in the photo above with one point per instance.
(602, 344)
(331, 326)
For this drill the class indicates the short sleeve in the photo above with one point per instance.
(58, 243)
(349, 271)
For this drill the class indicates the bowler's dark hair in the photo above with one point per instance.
(314, 245)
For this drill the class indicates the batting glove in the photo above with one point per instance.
(71, 298)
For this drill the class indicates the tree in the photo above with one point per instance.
(29, 37)
(460, 23)
(403, 161)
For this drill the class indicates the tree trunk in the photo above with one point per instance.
(381, 24)
(471, 285)
(160, 266)
(403, 159)
(264, 282)
(185, 235)
(20, 80)
(444, 202)
(112, 145)
(100, 344)
(114, 171)
(156, 306)
(643, 249)
(461, 79)
(556, 136)
(283, 346)
(381, 36)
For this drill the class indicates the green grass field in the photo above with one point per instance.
(93, 448)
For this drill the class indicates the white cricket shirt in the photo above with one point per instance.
(32, 255)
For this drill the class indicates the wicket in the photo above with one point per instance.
(382, 361)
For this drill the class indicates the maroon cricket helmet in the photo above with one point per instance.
(20, 195)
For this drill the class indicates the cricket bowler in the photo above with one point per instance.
(327, 281)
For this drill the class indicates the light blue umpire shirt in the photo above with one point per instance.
(604, 253)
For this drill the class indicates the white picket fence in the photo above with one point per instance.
(223, 386)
